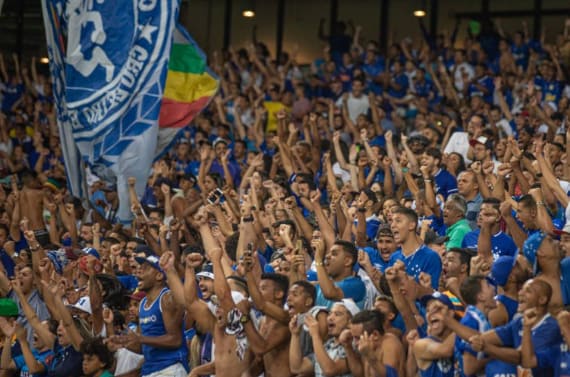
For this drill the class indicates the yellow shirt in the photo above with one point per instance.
(272, 108)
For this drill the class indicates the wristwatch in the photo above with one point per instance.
(244, 318)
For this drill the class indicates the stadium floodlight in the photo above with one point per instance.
(421, 10)
(249, 9)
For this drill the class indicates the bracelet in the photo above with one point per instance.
(540, 203)
(404, 170)
(247, 219)
(363, 210)
(319, 264)
(428, 180)
(538, 175)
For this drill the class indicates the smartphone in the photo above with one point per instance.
(249, 252)
(220, 195)
(212, 198)
(299, 247)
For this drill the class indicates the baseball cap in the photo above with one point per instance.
(480, 140)
(91, 251)
(530, 248)
(150, 259)
(444, 299)
(219, 140)
(502, 268)
(207, 272)
(349, 304)
(384, 230)
(144, 249)
(83, 304)
(84, 265)
(564, 230)
(8, 308)
(138, 296)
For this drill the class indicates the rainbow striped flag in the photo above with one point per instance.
(190, 86)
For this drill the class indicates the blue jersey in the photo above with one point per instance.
(565, 280)
(445, 183)
(545, 334)
(520, 54)
(423, 89)
(487, 83)
(402, 81)
(423, 259)
(501, 244)
(439, 367)
(510, 305)
(556, 357)
(43, 357)
(375, 258)
(474, 320)
(12, 94)
(352, 287)
(551, 90)
(152, 324)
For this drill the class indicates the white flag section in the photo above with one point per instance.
(109, 69)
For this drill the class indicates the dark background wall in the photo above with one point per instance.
(21, 28)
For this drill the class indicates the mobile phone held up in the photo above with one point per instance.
(216, 195)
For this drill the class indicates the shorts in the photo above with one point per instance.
(176, 370)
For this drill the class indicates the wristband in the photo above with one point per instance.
(362, 210)
(319, 264)
(404, 170)
(248, 219)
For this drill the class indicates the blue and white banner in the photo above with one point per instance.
(108, 60)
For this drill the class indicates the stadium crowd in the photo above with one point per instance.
(395, 213)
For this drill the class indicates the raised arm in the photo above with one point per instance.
(328, 288)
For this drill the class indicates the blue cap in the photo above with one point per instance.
(91, 251)
(150, 259)
(144, 249)
(530, 248)
(502, 268)
(444, 299)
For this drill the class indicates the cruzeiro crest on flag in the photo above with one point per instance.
(114, 71)
(108, 60)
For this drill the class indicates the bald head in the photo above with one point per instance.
(543, 289)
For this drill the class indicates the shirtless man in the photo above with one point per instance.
(231, 359)
(548, 266)
(31, 201)
(213, 317)
(272, 340)
(382, 353)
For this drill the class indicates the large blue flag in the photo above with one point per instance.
(108, 60)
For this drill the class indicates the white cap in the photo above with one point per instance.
(349, 304)
(83, 304)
